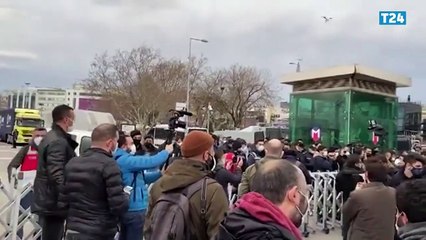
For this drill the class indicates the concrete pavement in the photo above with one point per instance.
(7, 153)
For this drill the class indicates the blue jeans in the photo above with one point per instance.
(131, 226)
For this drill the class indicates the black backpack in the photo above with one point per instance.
(170, 213)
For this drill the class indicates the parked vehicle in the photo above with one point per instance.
(22, 121)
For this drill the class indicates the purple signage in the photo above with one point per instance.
(90, 104)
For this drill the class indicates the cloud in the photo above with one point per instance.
(265, 34)
(18, 55)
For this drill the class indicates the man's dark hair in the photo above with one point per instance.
(377, 172)
(413, 158)
(352, 160)
(104, 132)
(321, 148)
(40, 129)
(274, 178)
(60, 112)
(357, 150)
(148, 137)
(411, 199)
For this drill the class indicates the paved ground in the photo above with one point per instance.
(7, 153)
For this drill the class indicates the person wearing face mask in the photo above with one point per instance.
(225, 177)
(257, 153)
(414, 168)
(92, 191)
(136, 173)
(137, 140)
(411, 216)
(320, 162)
(273, 151)
(26, 159)
(369, 212)
(54, 152)
(274, 209)
(196, 164)
(148, 145)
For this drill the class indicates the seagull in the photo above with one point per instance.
(327, 19)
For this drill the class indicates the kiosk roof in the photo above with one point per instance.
(399, 80)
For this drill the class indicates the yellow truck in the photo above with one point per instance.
(20, 120)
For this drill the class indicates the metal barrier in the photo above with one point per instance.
(13, 216)
(325, 206)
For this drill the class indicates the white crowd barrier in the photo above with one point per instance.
(325, 206)
(13, 216)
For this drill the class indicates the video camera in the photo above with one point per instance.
(174, 122)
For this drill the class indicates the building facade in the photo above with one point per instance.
(45, 99)
(409, 117)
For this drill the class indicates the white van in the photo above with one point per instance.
(83, 138)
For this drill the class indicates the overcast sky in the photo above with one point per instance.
(51, 43)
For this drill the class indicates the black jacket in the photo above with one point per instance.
(225, 177)
(346, 181)
(306, 158)
(54, 152)
(301, 166)
(240, 225)
(93, 194)
(321, 164)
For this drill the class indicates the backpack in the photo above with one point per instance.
(170, 213)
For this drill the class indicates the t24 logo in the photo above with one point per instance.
(392, 18)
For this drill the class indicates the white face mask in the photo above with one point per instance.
(115, 149)
(260, 148)
(37, 140)
(133, 149)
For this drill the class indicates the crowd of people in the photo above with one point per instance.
(206, 187)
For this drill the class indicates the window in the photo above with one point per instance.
(85, 144)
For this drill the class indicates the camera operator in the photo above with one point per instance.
(233, 159)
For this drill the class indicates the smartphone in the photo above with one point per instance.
(127, 189)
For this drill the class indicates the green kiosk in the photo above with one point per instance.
(338, 105)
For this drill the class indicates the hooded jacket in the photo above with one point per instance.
(132, 170)
(180, 174)
(413, 231)
(255, 217)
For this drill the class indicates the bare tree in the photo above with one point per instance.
(140, 84)
(235, 91)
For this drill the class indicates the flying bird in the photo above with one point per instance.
(327, 19)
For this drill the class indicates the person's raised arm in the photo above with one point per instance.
(17, 160)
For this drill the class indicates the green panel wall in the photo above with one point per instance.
(342, 117)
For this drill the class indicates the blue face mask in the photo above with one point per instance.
(417, 172)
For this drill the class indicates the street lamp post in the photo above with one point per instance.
(297, 64)
(188, 85)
